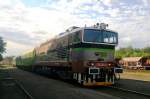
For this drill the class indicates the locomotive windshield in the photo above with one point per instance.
(100, 36)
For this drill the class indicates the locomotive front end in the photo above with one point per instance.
(96, 54)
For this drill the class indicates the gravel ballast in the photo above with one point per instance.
(46, 88)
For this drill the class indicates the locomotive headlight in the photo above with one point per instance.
(109, 64)
(92, 64)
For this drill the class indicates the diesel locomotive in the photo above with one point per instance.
(84, 54)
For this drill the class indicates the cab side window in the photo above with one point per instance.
(77, 37)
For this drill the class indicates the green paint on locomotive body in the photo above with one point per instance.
(26, 61)
(105, 54)
(93, 49)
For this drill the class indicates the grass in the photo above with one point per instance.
(143, 75)
(138, 71)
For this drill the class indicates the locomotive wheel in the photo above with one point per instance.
(78, 77)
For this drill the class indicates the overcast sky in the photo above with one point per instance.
(26, 23)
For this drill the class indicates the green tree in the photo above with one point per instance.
(146, 49)
(132, 52)
(1, 58)
(2, 47)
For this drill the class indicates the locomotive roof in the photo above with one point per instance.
(74, 29)
(80, 28)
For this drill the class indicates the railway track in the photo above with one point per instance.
(122, 93)
(13, 82)
(116, 91)
(24, 90)
(131, 91)
(126, 92)
(13, 85)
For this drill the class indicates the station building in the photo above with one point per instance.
(135, 63)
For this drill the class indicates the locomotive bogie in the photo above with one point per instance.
(96, 76)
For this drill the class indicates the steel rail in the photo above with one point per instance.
(127, 90)
(23, 89)
(20, 86)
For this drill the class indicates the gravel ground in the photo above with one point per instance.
(45, 88)
(8, 88)
(135, 81)
(140, 86)
(119, 93)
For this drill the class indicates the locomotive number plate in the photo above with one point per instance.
(93, 71)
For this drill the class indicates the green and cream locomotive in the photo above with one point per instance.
(85, 54)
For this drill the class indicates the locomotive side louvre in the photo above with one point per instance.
(59, 49)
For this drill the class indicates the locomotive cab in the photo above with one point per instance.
(93, 57)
